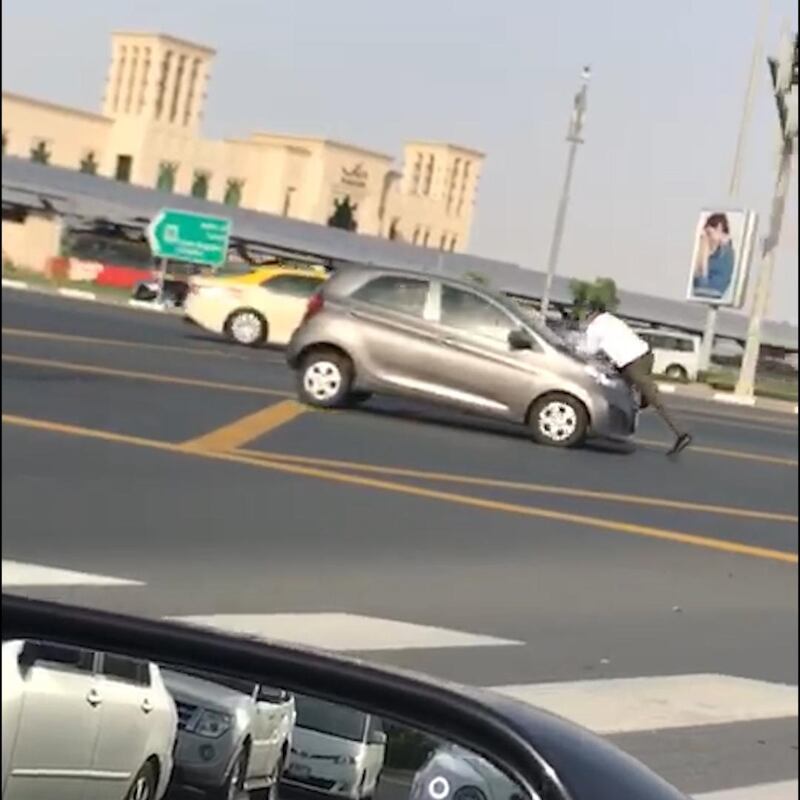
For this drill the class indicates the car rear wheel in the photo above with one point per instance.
(559, 420)
(144, 784)
(324, 379)
(246, 327)
(677, 372)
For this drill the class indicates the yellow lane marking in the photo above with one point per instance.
(709, 543)
(245, 429)
(538, 488)
(26, 333)
(91, 369)
(719, 451)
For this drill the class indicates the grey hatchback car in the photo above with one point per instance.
(455, 344)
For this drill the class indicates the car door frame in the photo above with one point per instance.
(513, 403)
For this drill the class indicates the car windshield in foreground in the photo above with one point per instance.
(330, 719)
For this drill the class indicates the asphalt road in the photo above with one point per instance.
(136, 446)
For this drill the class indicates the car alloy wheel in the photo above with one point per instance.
(322, 380)
(246, 327)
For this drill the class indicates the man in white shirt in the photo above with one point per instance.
(632, 356)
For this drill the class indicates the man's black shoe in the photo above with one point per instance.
(681, 443)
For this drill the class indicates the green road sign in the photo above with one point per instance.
(185, 236)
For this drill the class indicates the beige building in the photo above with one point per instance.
(149, 133)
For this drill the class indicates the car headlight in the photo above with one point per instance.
(213, 724)
(469, 793)
(345, 760)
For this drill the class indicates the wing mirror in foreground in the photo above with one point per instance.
(519, 339)
(186, 716)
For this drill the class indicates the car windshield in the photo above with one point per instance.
(330, 719)
(302, 357)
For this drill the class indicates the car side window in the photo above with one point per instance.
(471, 313)
(57, 655)
(407, 295)
(292, 285)
(122, 668)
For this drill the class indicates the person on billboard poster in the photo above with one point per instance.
(715, 263)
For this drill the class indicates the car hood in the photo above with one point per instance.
(200, 692)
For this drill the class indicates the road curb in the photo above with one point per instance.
(85, 296)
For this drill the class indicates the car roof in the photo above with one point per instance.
(462, 283)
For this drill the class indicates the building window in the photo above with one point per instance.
(143, 82)
(118, 82)
(463, 192)
(124, 168)
(176, 92)
(200, 184)
(233, 192)
(443, 241)
(451, 189)
(415, 237)
(5, 141)
(187, 112)
(453, 243)
(167, 170)
(132, 79)
(394, 230)
(287, 201)
(40, 152)
(417, 174)
(89, 163)
(426, 189)
(162, 83)
(426, 238)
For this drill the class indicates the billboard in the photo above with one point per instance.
(723, 249)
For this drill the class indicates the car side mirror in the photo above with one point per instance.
(518, 339)
(28, 655)
(378, 737)
(268, 694)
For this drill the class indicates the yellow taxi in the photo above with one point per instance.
(263, 305)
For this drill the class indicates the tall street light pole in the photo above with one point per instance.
(784, 80)
(574, 137)
(707, 346)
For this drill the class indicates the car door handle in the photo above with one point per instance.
(93, 697)
(449, 342)
(147, 706)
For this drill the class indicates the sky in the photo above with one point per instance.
(665, 101)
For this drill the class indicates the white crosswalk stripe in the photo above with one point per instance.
(343, 632)
(625, 705)
(18, 573)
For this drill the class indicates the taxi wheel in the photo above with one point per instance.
(247, 327)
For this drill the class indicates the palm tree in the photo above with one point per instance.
(40, 153)
(343, 216)
(89, 163)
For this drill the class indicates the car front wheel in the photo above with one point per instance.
(324, 379)
(559, 420)
(144, 784)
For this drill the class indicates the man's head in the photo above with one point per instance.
(717, 229)
(596, 308)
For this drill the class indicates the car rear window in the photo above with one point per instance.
(398, 293)
(293, 285)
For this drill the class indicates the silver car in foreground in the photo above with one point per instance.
(456, 344)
